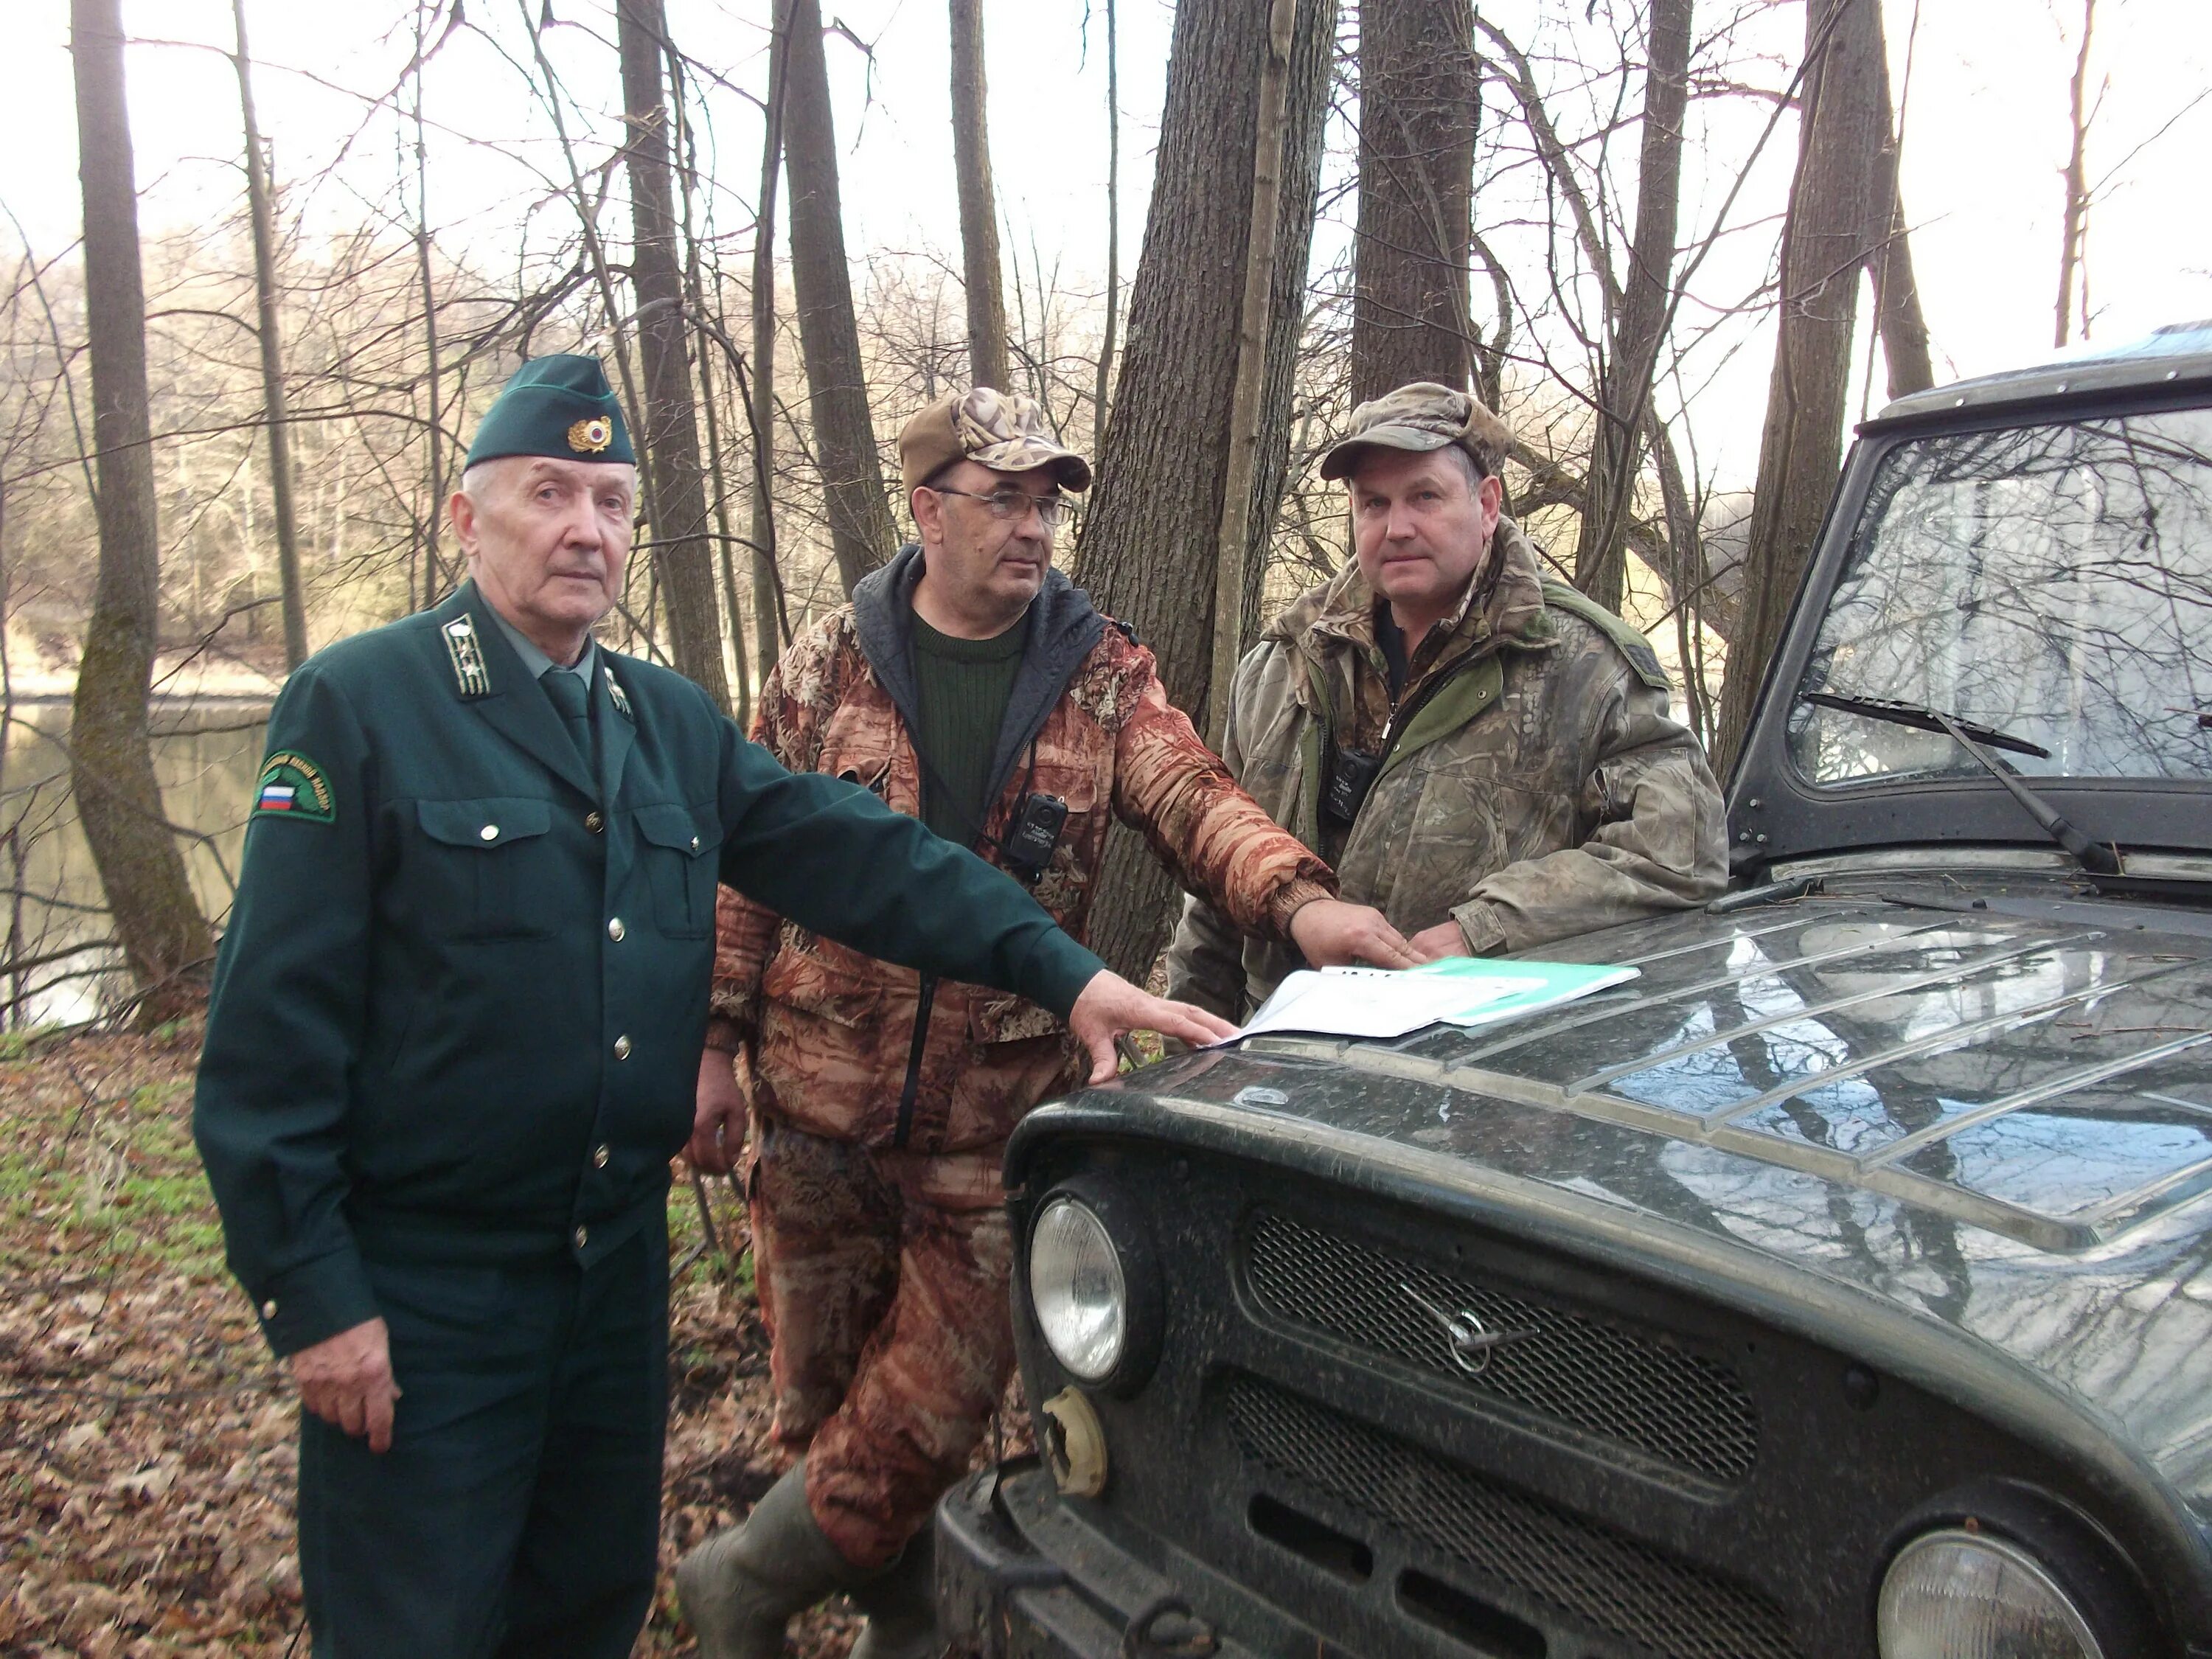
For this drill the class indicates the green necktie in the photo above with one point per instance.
(571, 699)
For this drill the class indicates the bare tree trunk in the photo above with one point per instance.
(2075, 231)
(272, 356)
(979, 223)
(1826, 240)
(682, 553)
(1163, 465)
(768, 595)
(1101, 397)
(1624, 388)
(861, 531)
(1896, 300)
(1419, 103)
(725, 549)
(434, 578)
(1233, 541)
(164, 938)
(702, 342)
(1896, 291)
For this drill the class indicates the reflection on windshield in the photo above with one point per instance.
(2052, 582)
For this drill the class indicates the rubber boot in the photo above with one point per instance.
(740, 1587)
(902, 1604)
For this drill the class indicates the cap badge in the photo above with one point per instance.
(589, 437)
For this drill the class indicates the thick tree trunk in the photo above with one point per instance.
(979, 220)
(118, 802)
(768, 593)
(1420, 102)
(1624, 388)
(1896, 291)
(1825, 239)
(682, 552)
(861, 531)
(1163, 465)
(273, 409)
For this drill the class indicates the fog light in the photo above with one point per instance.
(1076, 1288)
(1958, 1594)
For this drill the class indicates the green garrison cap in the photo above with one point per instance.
(559, 405)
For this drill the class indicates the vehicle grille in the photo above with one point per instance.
(1678, 1408)
(1587, 1572)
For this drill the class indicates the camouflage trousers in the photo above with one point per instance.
(883, 1281)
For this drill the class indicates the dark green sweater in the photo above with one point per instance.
(963, 686)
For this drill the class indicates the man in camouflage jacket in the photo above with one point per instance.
(1484, 754)
(880, 1100)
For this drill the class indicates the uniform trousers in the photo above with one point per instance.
(517, 1510)
(882, 1278)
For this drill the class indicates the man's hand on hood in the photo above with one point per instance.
(1333, 934)
(1110, 1005)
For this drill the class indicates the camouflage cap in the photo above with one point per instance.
(1002, 430)
(1421, 416)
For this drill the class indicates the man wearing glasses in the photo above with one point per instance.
(972, 686)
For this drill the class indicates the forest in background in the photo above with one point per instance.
(1582, 209)
(225, 441)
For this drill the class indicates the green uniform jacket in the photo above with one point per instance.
(460, 1007)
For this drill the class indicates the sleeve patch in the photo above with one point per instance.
(294, 786)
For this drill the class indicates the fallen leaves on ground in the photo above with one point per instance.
(146, 1435)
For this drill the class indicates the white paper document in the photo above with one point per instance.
(1465, 991)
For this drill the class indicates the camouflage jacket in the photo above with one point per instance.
(1538, 788)
(831, 1034)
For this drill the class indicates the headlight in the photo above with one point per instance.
(1957, 1594)
(1078, 1289)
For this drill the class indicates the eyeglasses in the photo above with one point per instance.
(1012, 504)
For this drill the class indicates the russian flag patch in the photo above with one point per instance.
(294, 786)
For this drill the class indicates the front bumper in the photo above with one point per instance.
(1022, 1574)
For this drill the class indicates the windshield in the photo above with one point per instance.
(2053, 583)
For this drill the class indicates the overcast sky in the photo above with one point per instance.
(1983, 84)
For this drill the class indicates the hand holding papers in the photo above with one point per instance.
(1465, 991)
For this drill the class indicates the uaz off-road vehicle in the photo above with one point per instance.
(1840, 1286)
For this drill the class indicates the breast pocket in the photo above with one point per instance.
(1064, 884)
(678, 846)
(485, 860)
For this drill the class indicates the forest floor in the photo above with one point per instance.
(147, 1436)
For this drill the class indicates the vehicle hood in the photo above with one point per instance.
(1989, 1131)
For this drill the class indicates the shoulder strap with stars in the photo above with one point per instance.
(470, 674)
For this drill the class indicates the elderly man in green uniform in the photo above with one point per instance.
(456, 1036)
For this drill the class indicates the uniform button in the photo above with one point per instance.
(615, 930)
(598, 1158)
(621, 1048)
(583, 1237)
(269, 1309)
(490, 832)
(595, 823)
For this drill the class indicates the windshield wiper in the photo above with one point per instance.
(1927, 719)
(2093, 856)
